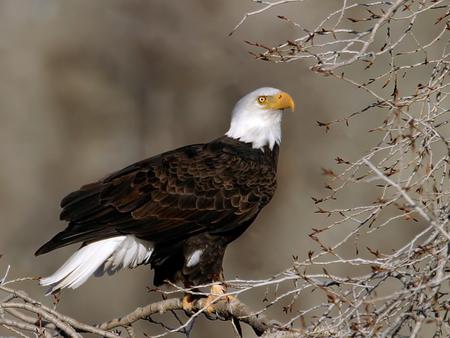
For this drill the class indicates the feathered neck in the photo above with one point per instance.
(260, 129)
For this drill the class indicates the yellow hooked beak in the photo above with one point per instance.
(280, 101)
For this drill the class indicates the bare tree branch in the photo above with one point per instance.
(45, 320)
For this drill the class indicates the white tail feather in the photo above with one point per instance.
(107, 255)
(131, 253)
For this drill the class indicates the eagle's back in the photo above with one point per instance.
(216, 188)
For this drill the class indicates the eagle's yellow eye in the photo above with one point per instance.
(261, 99)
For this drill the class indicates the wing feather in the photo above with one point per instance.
(193, 189)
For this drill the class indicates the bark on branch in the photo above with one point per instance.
(234, 311)
(25, 313)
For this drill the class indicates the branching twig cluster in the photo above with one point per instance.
(380, 48)
(23, 315)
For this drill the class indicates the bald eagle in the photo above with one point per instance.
(176, 211)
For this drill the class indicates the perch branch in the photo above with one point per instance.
(233, 310)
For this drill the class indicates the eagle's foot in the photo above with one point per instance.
(216, 294)
(188, 303)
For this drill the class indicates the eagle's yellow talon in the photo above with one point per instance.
(216, 295)
(188, 303)
(210, 306)
(231, 299)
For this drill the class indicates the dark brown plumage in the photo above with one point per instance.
(198, 197)
(178, 210)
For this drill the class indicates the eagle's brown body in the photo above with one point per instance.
(198, 197)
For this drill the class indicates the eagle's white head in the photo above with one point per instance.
(256, 118)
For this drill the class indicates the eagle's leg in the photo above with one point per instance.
(216, 294)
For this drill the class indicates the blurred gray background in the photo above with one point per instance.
(87, 87)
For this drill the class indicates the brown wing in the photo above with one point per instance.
(213, 187)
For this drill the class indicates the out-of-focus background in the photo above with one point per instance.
(87, 87)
